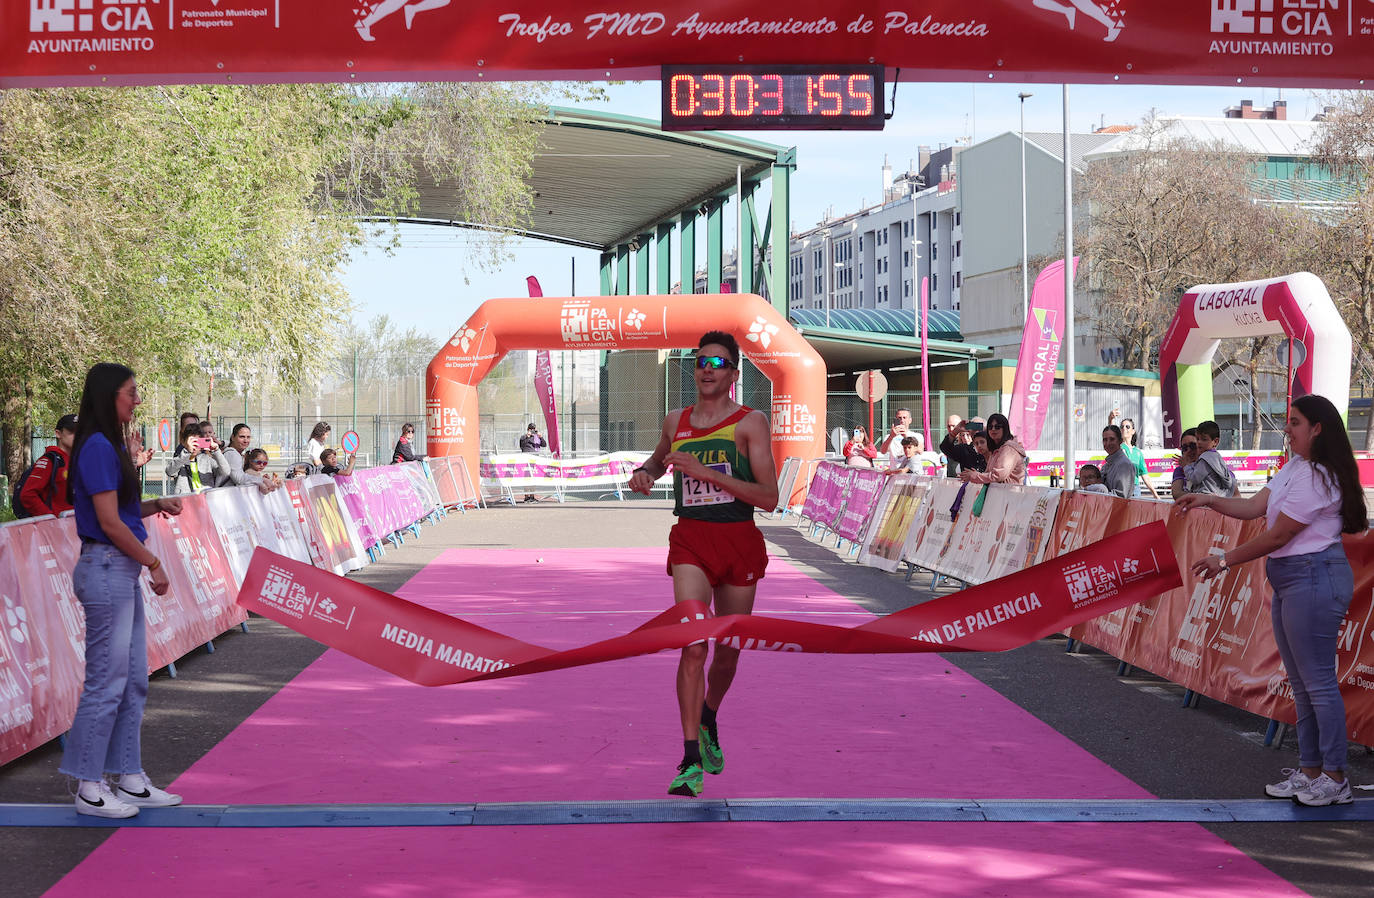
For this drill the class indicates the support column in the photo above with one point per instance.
(779, 232)
(715, 243)
(622, 270)
(687, 252)
(745, 264)
(663, 263)
(641, 252)
(607, 274)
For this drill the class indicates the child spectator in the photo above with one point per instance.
(911, 462)
(45, 489)
(255, 470)
(329, 463)
(204, 464)
(1210, 473)
(1187, 457)
(1090, 480)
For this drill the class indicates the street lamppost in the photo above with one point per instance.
(1025, 263)
(825, 272)
(917, 305)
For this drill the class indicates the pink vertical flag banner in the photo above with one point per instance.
(543, 385)
(1040, 343)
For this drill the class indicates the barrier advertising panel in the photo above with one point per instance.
(860, 503)
(825, 497)
(205, 550)
(896, 509)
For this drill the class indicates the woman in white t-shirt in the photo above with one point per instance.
(1307, 506)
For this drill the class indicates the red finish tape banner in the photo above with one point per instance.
(435, 649)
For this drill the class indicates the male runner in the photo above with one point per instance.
(723, 468)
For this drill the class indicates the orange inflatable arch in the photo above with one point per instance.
(499, 326)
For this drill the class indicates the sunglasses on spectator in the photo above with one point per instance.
(714, 362)
(1189, 447)
(259, 462)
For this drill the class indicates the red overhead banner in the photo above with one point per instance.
(1268, 42)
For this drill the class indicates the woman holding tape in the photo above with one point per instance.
(1307, 506)
(104, 489)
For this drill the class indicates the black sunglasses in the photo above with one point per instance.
(1188, 447)
(714, 362)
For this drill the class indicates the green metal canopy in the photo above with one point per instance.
(620, 184)
(942, 324)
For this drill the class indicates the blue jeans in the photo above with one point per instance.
(1311, 595)
(104, 737)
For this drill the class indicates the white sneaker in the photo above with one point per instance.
(95, 799)
(1324, 791)
(137, 789)
(1296, 782)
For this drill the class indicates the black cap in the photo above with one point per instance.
(532, 427)
(67, 422)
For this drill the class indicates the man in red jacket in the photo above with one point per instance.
(45, 489)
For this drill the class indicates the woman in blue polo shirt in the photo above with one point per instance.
(104, 489)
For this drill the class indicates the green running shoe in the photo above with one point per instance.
(688, 780)
(712, 758)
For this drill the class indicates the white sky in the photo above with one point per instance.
(422, 285)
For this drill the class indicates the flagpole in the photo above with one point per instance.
(1070, 474)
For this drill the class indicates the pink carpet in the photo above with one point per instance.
(793, 726)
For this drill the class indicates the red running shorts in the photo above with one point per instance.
(730, 553)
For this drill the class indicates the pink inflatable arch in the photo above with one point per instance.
(1296, 305)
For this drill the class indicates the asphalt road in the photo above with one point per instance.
(1136, 723)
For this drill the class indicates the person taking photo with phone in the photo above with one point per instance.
(205, 465)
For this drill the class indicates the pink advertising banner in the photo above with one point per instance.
(862, 499)
(824, 496)
(1034, 383)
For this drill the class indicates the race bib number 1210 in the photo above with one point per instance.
(699, 492)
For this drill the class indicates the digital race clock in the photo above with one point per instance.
(794, 97)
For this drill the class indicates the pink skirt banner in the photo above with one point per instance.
(522, 469)
(825, 494)
(861, 503)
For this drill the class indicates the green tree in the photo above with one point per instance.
(187, 229)
(1163, 217)
(1340, 243)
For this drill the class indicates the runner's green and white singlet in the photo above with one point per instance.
(716, 448)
